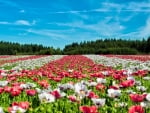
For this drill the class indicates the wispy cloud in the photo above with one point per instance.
(22, 11)
(103, 27)
(9, 3)
(23, 22)
(112, 7)
(140, 33)
(4, 23)
(54, 34)
(145, 30)
(127, 7)
(19, 22)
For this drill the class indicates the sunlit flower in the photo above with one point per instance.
(80, 87)
(148, 97)
(141, 88)
(64, 87)
(92, 84)
(3, 83)
(114, 93)
(101, 80)
(138, 83)
(146, 78)
(46, 97)
(99, 102)
(130, 92)
(145, 104)
(121, 104)
(1, 110)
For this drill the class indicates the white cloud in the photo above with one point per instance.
(140, 33)
(55, 34)
(145, 30)
(102, 27)
(22, 11)
(9, 3)
(22, 34)
(113, 7)
(22, 22)
(4, 23)
(19, 22)
(128, 7)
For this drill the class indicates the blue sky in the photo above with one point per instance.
(60, 22)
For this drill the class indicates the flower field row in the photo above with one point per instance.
(132, 57)
(4, 56)
(75, 84)
(11, 57)
(18, 58)
(118, 63)
(30, 63)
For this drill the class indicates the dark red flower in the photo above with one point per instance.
(1, 90)
(127, 83)
(92, 95)
(44, 83)
(73, 99)
(137, 97)
(136, 109)
(56, 94)
(88, 109)
(24, 105)
(31, 92)
(114, 87)
(7, 89)
(15, 91)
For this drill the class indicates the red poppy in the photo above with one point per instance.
(7, 89)
(56, 94)
(24, 105)
(92, 95)
(73, 99)
(44, 83)
(114, 87)
(127, 83)
(100, 87)
(31, 92)
(15, 91)
(136, 109)
(1, 90)
(88, 109)
(137, 97)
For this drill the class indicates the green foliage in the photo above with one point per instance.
(109, 46)
(7, 48)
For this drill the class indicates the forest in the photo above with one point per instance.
(107, 46)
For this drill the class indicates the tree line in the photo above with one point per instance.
(107, 46)
(9, 48)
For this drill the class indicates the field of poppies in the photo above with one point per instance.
(75, 84)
